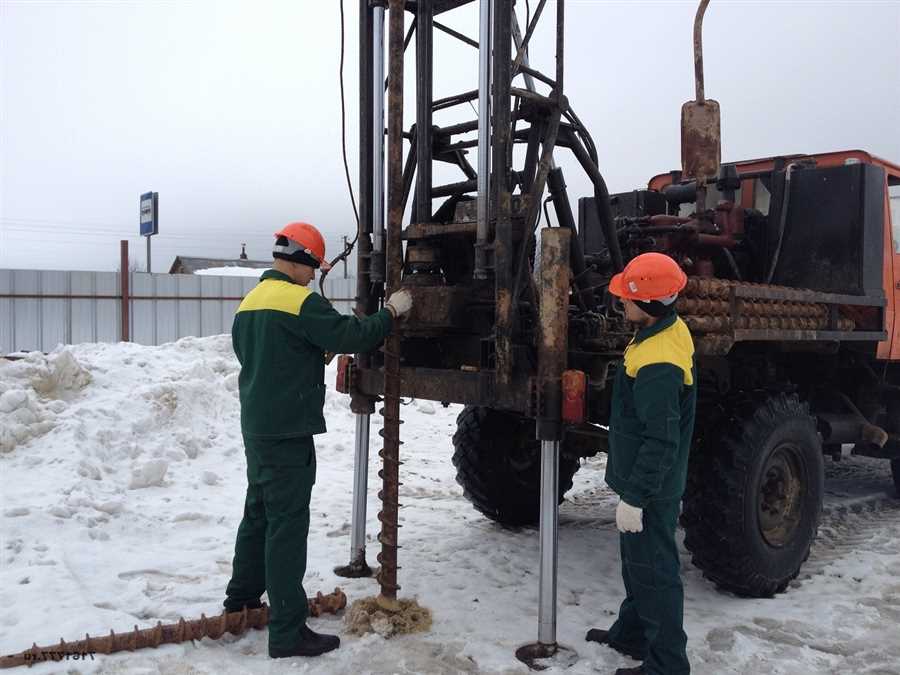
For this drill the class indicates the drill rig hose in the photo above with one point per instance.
(557, 186)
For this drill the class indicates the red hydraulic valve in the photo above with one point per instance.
(574, 390)
(344, 364)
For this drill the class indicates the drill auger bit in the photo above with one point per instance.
(390, 454)
(215, 627)
(390, 476)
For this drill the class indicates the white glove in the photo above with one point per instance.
(629, 518)
(399, 303)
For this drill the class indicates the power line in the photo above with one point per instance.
(34, 227)
(348, 248)
(60, 229)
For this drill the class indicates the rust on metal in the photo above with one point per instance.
(698, 50)
(436, 307)
(554, 298)
(767, 292)
(467, 211)
(466, 386)
(722, 312)
(330, 603)
(718, 324)
(701, 306)
(805, 335)
(716, 289)
(124, 274)
(429, 230)
(721, 289)
(707, 324)
(701, 152)
(503, 341)
(422, 254)
(390, 453)
(554, 328)
(501, 191)
(714, 344)
(701, 147)
(214, 627)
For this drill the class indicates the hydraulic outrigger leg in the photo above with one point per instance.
(552, 355)
(358, 566)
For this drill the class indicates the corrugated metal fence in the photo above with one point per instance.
(41, 309)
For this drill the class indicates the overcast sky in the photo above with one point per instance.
(231, 110)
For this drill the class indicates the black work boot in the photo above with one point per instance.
(601, 636)
(637, 670)
(238, 606)
(597, 635)
(309, 643)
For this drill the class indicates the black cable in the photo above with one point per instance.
(344, 126)
(585, 135)
(782, 221)
(546, 214)
(733, 264)
(348, 247)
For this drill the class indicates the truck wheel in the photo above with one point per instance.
(694, 505)
(498, 465)
(755, 498)
(892, 425)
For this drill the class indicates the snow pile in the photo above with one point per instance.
(123, 482)
(33, 392)
(148, 474)
(232, 271)
(117, 418)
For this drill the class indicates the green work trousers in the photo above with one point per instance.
(651, 617)
(270, 551)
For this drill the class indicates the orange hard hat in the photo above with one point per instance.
(649, 276)
(305, 241)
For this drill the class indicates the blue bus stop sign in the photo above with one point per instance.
(149, 214)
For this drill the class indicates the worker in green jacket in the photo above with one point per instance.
(280, 334)
(651, 422)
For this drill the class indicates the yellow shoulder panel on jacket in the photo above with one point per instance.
(275, 295)
(673, 345)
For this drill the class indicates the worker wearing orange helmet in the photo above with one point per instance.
(280, 334)
(651, 423)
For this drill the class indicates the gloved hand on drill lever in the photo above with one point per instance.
(629, 518)
(399, 303)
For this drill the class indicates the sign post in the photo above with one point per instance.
(149, 219)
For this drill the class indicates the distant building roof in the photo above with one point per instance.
(230, 272)
(189, 265)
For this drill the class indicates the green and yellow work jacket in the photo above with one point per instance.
(652, 417)
(280, 334)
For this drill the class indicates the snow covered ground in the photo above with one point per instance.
(122, 487)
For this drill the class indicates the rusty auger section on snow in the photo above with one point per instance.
(390, 454)
(214, 627)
